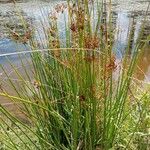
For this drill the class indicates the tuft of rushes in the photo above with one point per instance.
(69, 95)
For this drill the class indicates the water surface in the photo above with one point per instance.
(34, 10)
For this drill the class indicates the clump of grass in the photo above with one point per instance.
(73, 101)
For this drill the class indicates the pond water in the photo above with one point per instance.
(32, 10)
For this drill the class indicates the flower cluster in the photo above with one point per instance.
(23, 38)
(91, 42)
(60, 7)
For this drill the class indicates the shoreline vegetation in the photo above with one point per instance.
(72, 92)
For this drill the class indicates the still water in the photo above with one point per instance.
(33, 11)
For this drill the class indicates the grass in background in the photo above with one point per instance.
(72, 100)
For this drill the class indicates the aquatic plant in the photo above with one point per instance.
(70, 97)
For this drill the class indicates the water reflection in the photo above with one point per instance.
(10, 46)
(122, 25)
(124, 22)
(143, 70)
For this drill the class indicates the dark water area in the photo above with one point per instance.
(10, 46)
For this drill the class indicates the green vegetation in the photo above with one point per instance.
(73, 100)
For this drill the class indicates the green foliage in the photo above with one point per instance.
(72, 100)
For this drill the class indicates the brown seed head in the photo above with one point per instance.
(73, 27)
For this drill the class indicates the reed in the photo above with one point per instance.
(70, 96)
